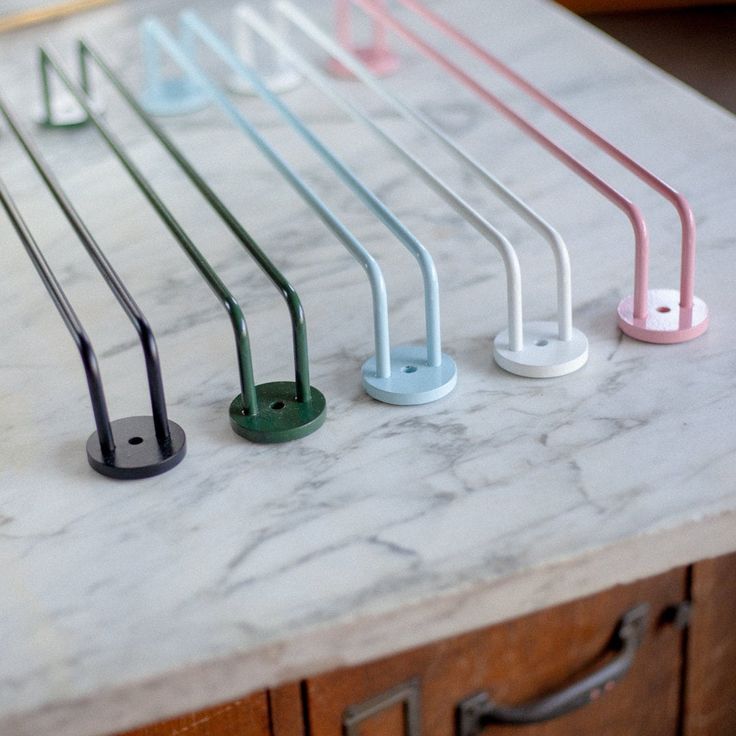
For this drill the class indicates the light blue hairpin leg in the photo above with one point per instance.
(419, 374)
(382, 359)
(170, 95)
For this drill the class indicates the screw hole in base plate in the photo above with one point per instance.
(412, 381)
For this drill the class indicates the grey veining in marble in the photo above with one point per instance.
(247, 565)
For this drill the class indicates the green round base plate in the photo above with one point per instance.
(66, 112)
(280, 417)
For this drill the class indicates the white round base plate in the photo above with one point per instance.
(412, 381)
(278, 83)
(666, 322)
(66, 112)
(544, 355)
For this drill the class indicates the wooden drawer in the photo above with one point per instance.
(519, 661)
(711, 660)
(244, 717)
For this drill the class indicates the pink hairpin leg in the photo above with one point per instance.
(659, 315)
(377, 56)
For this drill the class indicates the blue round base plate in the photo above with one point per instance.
(138, 453)
(412, 381)
(544, 355)
(174, 96)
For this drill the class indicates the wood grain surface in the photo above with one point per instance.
(246, 717)
(14, 20)
(711, 671)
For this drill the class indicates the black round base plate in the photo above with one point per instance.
(137, 451)
(280, 417)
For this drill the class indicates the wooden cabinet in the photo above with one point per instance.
(519, 661)
(608, 6)
(682, 679)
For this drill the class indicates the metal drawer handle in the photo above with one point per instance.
(477, 712)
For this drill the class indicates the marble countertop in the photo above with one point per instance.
(252, 565)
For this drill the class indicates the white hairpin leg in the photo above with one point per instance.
(272, 67)
(534, 349)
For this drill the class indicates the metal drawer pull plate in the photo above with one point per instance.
(477, 712)
(531, 349)
(132, 447)
(657, 315)
(406, 694)
(272, 412)
(415, 374)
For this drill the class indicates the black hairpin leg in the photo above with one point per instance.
(129, 448)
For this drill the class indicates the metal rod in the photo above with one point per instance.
(360, 71)
(126, 301)
(357, 250)
(81, 339)
(237, 318)
(192, 23)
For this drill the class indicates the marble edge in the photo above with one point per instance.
(356, 639)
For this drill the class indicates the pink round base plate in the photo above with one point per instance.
(666, 322)
(380, 61)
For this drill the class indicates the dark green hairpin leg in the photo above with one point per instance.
(129, 448)
(271, 412)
